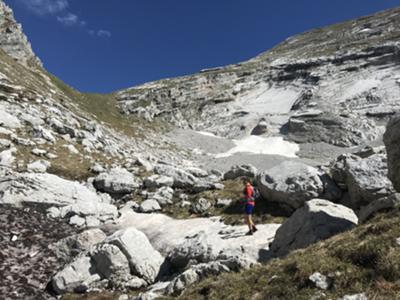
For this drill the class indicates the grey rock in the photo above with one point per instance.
(71, 198)
(361, 296)
(240, 171)
(149, 206)
(385, 203)
(261, 128)
(392, 142)
(193, 275)
(320, 281)
(116, 181)
(163, 195)
(110, 261)
(291, 183)
(144, 260)
(39, 152)
(316, 220)
(364, 178)
(156, 181)
(82, 242)
(201, 206)
(182, 178)
(77, 221)
(13, 41)
(39, 166)
(75, 277)
(199, 248)
(97, 168)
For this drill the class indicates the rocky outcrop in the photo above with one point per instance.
(365, 179)
(392, 142)
(290, 183)
(66, 198)
(316, 220)
(12, 39)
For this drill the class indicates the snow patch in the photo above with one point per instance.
(260, 145)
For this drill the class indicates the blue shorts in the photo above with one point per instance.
(249, 209)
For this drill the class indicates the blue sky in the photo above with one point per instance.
(107, 45)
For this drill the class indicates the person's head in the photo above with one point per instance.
(245, 181)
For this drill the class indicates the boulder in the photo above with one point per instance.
(316, 220)
(385, 203)
(201, 206)
(391, 139)
(200, 248)
(193, 275)
(290, 183)
(156, 181)
(361, 296)
(73, 245)
(320, 281)
(261, 128)
(69, 198)
(39, 166)
(117, 181)
(110, 261)
(163, 196)
(149, 206)
(365, 179)
(75, 277)
(144, 260)
(240, 171)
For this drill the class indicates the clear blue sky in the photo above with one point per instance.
(106, 45)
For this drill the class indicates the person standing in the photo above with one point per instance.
(249, 206)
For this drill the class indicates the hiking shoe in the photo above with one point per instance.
(254, 229)
(249, 233)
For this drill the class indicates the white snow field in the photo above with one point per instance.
(261, 145)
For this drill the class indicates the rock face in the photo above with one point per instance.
(295, 87)
(365, 179)
(392, 142)
(290, 183)
(316, 220)
(12, 39)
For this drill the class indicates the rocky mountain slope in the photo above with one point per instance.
(141, 188)
(336, 85)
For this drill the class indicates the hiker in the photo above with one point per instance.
(249, 206)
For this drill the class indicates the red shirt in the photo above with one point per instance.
(249, 194)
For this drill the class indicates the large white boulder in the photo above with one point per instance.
(116, 181)
(364, 178)
(290, 183)
(316, 220)
(144, 260)
(67, 197)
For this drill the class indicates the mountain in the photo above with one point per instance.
(139, 191)
(336, 85)
(13, 41)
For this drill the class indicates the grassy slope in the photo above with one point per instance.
(366, 259)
